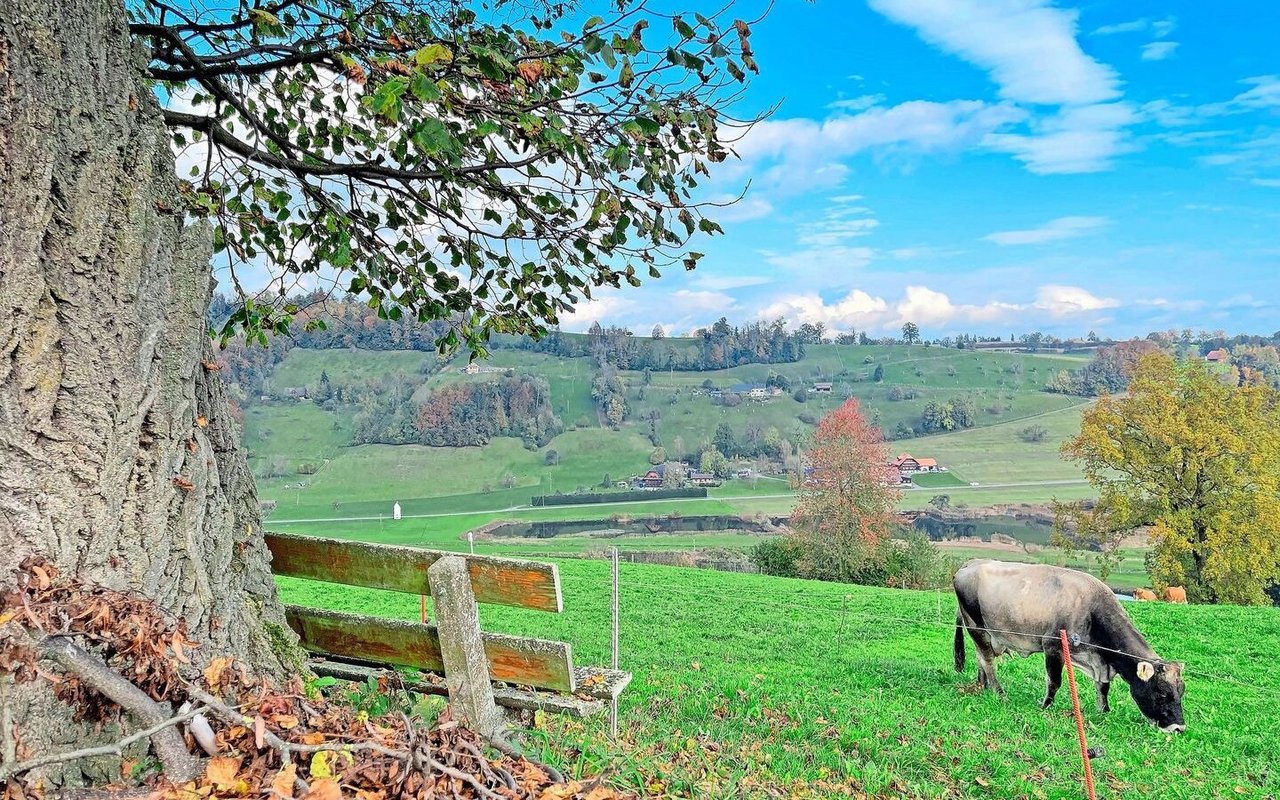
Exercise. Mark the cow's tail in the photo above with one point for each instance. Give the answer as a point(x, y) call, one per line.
point(959, 643)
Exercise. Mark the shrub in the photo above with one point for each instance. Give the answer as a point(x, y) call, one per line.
point(552, 458)
point(308, 468)
point(807, 418)
point(1033, 433)
point(776, 557)
point(801, 395)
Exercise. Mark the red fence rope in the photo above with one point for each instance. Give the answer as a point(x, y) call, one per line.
point(1075, 706)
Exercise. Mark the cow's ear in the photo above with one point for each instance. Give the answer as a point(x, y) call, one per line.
point(1145, 670)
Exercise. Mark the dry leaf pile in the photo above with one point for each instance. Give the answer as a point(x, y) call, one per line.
point(269, 742)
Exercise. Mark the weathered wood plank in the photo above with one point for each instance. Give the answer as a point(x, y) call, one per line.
point(505, 581)
point(505, 696)
point(514, 659)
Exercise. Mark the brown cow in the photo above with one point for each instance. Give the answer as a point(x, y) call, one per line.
point(1174, 594)
point(1144, 594)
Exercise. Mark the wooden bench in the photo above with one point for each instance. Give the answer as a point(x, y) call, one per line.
point(532, 674)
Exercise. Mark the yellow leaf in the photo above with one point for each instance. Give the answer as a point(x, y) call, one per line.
point(433, 53)
point(320, 766)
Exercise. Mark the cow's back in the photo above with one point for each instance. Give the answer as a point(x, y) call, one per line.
point(1020, 604)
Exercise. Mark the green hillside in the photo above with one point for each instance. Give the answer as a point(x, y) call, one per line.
point(749, 686)
point(481, 482)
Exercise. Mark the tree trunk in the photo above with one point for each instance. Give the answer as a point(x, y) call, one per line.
point(105, 407)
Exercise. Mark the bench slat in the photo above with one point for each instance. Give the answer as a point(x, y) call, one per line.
point(514, 659)
point(505, 696)
point(506, 581)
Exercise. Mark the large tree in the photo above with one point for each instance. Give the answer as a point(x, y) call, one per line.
point(846, 507)
point(1199, 459)
point(444, 162)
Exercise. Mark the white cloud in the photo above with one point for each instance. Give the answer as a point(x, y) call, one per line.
point(1062, 301)
point(861, 103)
point(1158, 51)
point(1273, 183)
point(1076, 140)
point(748, 208)
point(721, 283)
point(857, 309)
point(924, 306)
point(1028, 46)
point(1159, 28)
point(803, 155)
point(1132, 26)
point(1052, 231)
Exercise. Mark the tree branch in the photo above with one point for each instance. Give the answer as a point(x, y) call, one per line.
point(179, 764)
point(114, 749)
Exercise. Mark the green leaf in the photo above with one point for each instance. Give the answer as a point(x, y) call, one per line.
point(594, 22)
point(433, 54)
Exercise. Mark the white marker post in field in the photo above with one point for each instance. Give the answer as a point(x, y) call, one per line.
point(395, 510)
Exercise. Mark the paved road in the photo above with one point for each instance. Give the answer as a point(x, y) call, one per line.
point(941, 490)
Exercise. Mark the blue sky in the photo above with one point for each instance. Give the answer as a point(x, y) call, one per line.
point(997, 167)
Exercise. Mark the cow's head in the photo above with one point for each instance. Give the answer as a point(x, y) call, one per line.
point(1158, 691)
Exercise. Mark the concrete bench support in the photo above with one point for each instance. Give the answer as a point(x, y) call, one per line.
point(466, 669)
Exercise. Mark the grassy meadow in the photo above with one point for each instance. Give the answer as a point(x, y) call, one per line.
point(749, 686)
point(363, 481)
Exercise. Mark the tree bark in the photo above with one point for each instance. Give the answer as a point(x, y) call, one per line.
point(105, 407)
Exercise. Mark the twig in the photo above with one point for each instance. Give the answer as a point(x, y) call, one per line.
point(178, 763)
point(9, 751)
point(104, 750)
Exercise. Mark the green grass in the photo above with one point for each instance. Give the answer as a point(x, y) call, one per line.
point(997, 454)
point(762, 687)
point(936, 480)
point(302, 367)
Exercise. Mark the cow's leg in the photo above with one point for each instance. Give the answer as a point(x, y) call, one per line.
point(1053, 674)
point(1103, 687)
point(986, 661)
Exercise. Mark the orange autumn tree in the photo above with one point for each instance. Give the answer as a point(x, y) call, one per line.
point(846, 501)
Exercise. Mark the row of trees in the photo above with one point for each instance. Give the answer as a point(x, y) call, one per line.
point(718, 347)
point(459, 415)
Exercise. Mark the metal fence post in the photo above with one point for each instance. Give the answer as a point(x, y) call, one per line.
point(613, 703)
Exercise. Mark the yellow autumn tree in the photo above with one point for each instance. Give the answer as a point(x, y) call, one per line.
point(1198, 458)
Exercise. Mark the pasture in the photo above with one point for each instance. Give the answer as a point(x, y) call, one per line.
point(749, 686)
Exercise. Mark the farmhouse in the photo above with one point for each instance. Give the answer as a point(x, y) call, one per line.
point(703, 479)
point(471, 369)
point(756, 391)
point(822, 387)
point(908, 464)
point(1218, 356)
point(297, 392)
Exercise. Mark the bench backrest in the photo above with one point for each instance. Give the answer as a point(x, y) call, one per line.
point(513, 582)
point(505, 581)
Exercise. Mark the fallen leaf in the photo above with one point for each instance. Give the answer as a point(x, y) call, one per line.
point(285, 721)
point(202, 421)
point(214, 672)
point(282, 783)
point(259, 732)
point(324, 789)
point(221, 771)
point(981, 781)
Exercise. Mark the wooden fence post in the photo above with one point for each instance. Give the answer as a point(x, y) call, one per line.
point(466, 669)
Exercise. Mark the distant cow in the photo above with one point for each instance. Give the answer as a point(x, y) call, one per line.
point(1144, 594)
point(1174, 594)
point(1020, 608)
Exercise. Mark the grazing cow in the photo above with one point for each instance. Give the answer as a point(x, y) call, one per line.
point(1174, 594)
point(1144, 594)
point(1020, 608)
